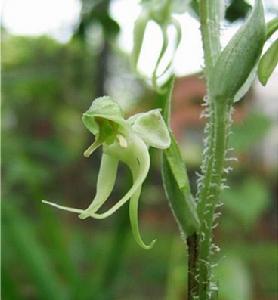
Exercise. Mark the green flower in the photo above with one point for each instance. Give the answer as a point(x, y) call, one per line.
point(126, 141)
point(160, 12)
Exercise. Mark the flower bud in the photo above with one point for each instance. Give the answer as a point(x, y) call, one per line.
point(239, 57)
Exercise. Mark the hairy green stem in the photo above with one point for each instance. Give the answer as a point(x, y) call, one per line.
point(210, 16)
point(214, 154)
point(208, 197)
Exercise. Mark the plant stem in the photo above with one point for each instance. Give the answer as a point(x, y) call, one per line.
point(216, 130)
point(210, 16)
point(192, 283)
point(208, 196)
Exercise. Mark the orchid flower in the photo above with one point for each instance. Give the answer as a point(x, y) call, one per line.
point(160, 12)
point(125, 140)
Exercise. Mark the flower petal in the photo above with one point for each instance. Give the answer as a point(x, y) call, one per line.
point(70, 209)
point(133, 215)
point(162, 52)
point(151, 127)
point(105, 183)
point(136, 157)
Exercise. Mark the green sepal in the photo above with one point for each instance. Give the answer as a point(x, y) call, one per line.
point(103, 112)
point(268, 62)
point(239, 57)
point(104, 119)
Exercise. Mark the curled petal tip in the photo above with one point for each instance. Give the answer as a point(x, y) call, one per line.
point(150, 246)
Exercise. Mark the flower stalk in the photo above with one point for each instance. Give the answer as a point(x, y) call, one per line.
point(226, 72)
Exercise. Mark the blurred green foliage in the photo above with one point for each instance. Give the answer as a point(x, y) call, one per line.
point(250, 131)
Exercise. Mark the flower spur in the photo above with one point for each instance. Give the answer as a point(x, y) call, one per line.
point(126, 141)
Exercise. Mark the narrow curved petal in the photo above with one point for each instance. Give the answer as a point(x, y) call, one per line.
point(141, 160)
point(133, 215)
point(70, 209)
point(138, 38)
point(177, 28)
point(105, 183)
point(161, 54)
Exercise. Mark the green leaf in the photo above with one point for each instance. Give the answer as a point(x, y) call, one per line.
point(271, 27)
point(247, 84)
point(168, 87)
point(174, 158)
point(175, 179)
point(31, 254)
point(268, 62)
point(239, 57)
point(181, 202)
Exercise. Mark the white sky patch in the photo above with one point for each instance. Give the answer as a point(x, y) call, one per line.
point(35, 17)
point(58, 18)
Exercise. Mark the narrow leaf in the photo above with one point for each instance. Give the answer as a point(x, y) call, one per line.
point(175, 179)
point(271, 27)
point(176, 163)
point(268, 62)
point(247, 84)
point(31, 254)
point(181, 202)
